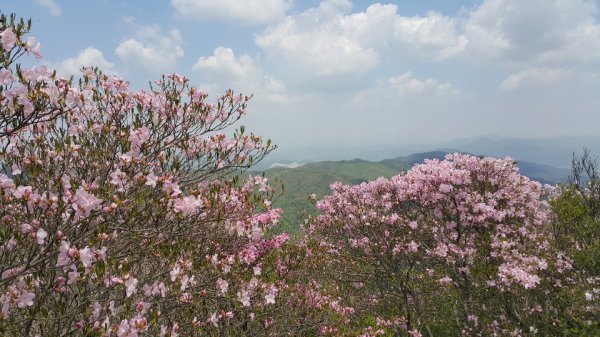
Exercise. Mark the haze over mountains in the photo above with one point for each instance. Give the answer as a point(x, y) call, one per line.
point(304, 171)
point(556, 151)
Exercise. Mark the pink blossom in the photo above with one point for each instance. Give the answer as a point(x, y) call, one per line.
point(151, 180)
point(8, 38)
point(85, 202)
point(187, 205)
point(413, 246)
point(415, 333)
point(222, 285)
point(214, 320)
point(63, 257)
point(244, 297)
point(126, 330)
point(6, 183)
point(23, 192)
point(5, 301)
point(25, 299)
point(33, 47)
point(130, 286)
point(270, 298)
point(16, 170)
point(41, 235)
point(445, 280)
point(73, 276)
point(118, 178)
point(87, 257)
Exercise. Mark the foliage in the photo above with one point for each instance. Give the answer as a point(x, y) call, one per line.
point(576, 228)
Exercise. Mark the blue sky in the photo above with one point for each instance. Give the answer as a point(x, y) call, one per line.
point(339, 72)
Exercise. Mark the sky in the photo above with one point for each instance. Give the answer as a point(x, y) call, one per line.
point(350, 73)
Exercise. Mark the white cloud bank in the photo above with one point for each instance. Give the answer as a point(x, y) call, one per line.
point(224, 69)
point(329, 40)
point(533, 31)
point(532, 77)
point(406, 85)
point(89, 56)
point(151, 49)
point(223, 62)
point(236, 11)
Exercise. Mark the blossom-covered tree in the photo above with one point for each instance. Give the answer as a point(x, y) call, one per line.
point(459, 247)
point(125, 212)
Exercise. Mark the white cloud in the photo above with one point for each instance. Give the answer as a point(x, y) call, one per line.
point(534, 31)
point(50, 5)
point(223, 62)
point(89, 56)
point(323, 42)
point(532, 77)
point(434, 36)
point(244, 11)
point(223, 69)
point(330, 40)
point(151, 49)
point(406, 85)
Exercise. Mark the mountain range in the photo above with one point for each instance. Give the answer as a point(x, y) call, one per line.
point(556, 151)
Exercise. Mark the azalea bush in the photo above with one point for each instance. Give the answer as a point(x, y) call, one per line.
point(126, 212)
point(455, 247)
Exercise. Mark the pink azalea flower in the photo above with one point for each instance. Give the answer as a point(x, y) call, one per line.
point(244, 297)
point(6, 182)
point(63, 256)
point(5, 301)
point(214, 320)
point(8, 39)
point(25, 299)
point(222, 285)
point(126, 330)
point(151, 180)
point(85, 202)
point(73, 276)
point(270, 298)
point(187, 205)
point(87, 257)
point(33, 47)
point(41, 236)
point(130, 286)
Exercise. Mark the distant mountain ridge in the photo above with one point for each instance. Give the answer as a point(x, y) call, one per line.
point(556, 151)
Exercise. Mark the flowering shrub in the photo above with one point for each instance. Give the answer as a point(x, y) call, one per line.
point(122, 212)
point(459, 246)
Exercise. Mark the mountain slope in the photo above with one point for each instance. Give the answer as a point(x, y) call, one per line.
point(315, 178)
